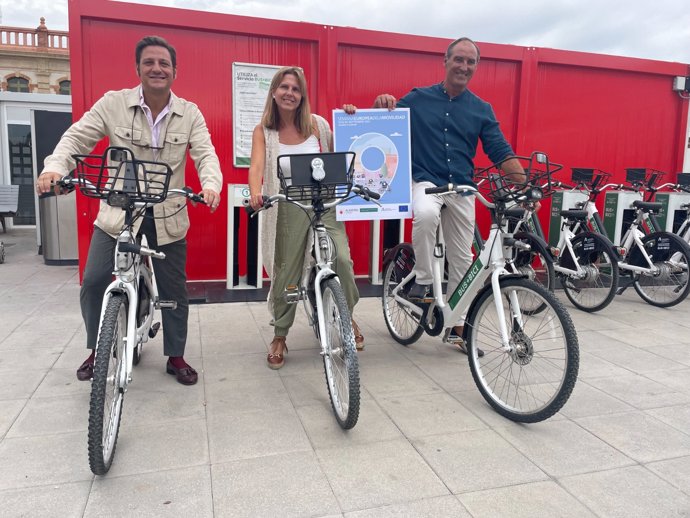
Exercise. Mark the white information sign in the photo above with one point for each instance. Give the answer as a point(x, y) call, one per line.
point(250, 85)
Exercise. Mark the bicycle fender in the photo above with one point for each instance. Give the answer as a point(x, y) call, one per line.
point(537, 243)
point(392, 253)
point(663, 247)
point(486, 287)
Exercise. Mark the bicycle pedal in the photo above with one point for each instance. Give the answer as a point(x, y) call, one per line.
point(292, 294)
point(166, 304)
point(153, 330)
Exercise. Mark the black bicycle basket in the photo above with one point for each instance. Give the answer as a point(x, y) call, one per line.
point(119, 178)
point(642, 175)
point(312, 176)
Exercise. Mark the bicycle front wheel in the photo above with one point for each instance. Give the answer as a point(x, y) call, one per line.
point(669, 285)
point(402, 324)
point(533, 378)
point(596, 288)
point(107, 396)
point(340, 356)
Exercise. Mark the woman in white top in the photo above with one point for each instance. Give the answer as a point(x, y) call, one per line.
point(288, 127)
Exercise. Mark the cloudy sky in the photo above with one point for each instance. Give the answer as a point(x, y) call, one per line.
point(657, 29)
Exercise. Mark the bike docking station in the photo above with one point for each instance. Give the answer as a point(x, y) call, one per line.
point(674, 208)
point(250, 234)
point(564, 200)
point(618, 211)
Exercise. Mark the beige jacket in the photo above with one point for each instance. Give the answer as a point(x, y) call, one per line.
point(118, 116)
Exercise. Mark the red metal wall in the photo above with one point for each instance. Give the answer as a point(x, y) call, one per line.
point(585, 110)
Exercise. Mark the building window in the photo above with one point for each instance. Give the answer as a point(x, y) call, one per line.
point(17, 84)
point(65, 88)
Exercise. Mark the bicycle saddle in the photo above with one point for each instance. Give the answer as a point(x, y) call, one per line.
point(574, 214)
point(647, 206)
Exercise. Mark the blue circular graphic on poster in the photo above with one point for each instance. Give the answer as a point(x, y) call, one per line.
point(376, 161)
point(373, 158)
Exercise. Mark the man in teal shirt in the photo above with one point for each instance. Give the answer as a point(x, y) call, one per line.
point(447, 123)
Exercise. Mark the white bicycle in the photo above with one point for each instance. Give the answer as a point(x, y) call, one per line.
point(531, 350)
point(131, 300)
point(317, 183)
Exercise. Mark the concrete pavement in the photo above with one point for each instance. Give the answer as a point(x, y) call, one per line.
point(249, 441)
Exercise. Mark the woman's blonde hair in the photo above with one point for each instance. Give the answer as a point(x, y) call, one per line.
point(271, 116)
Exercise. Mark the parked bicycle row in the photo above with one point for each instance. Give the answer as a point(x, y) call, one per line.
point(586, 263)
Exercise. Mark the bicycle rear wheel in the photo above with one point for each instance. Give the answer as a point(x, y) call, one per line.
point(597, 288)
point(669, 286)
point(402, 324)
point(340, 356)
point(532, 380)
point(107, 396)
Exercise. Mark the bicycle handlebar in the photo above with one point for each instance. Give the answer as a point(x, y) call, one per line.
point(459, 189)
point(269, 201)
point(68, 183)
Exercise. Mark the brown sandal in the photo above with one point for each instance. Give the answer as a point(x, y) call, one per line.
point(359, 337)
point(277, 360)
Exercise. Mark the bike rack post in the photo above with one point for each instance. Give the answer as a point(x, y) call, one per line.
point(380, 241)
point(562, 200)
point(671, 216)
point(617, 208)
point(252, 277)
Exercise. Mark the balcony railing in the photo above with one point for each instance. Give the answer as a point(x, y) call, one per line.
point(41, 38)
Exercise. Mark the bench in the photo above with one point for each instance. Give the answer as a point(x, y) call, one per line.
point(9, 202)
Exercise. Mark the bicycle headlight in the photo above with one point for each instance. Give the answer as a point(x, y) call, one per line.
point(118, 199)
point(535, 194)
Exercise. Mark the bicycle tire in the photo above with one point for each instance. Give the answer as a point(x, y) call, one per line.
point(340, 362)
point(598, 288)
point(534, 379)
point(107, 397)
point(672, 256)
point(403, 326)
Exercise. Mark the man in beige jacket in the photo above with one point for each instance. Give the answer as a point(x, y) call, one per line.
point(158, 126)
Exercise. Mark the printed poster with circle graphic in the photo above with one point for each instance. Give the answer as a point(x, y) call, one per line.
point(381, 142)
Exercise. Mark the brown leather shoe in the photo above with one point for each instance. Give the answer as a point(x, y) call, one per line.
point(276, 359)
point(85, 371)
point(186, 375)
point(359, 337)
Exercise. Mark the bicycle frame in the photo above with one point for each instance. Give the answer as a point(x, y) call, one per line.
point(633, 236)
point(489, 264)
point(324, 270)
point(129, 267)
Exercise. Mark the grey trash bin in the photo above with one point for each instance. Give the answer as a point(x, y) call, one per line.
point(59, 229)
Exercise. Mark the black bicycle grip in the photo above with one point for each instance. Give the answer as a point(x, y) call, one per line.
point(366, 193)
point(248, 208)
point(65, 188)
point(441, 189)
point(191, 195)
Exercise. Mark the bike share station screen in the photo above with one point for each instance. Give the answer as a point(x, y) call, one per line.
point(671, 216)
point(562, 200)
